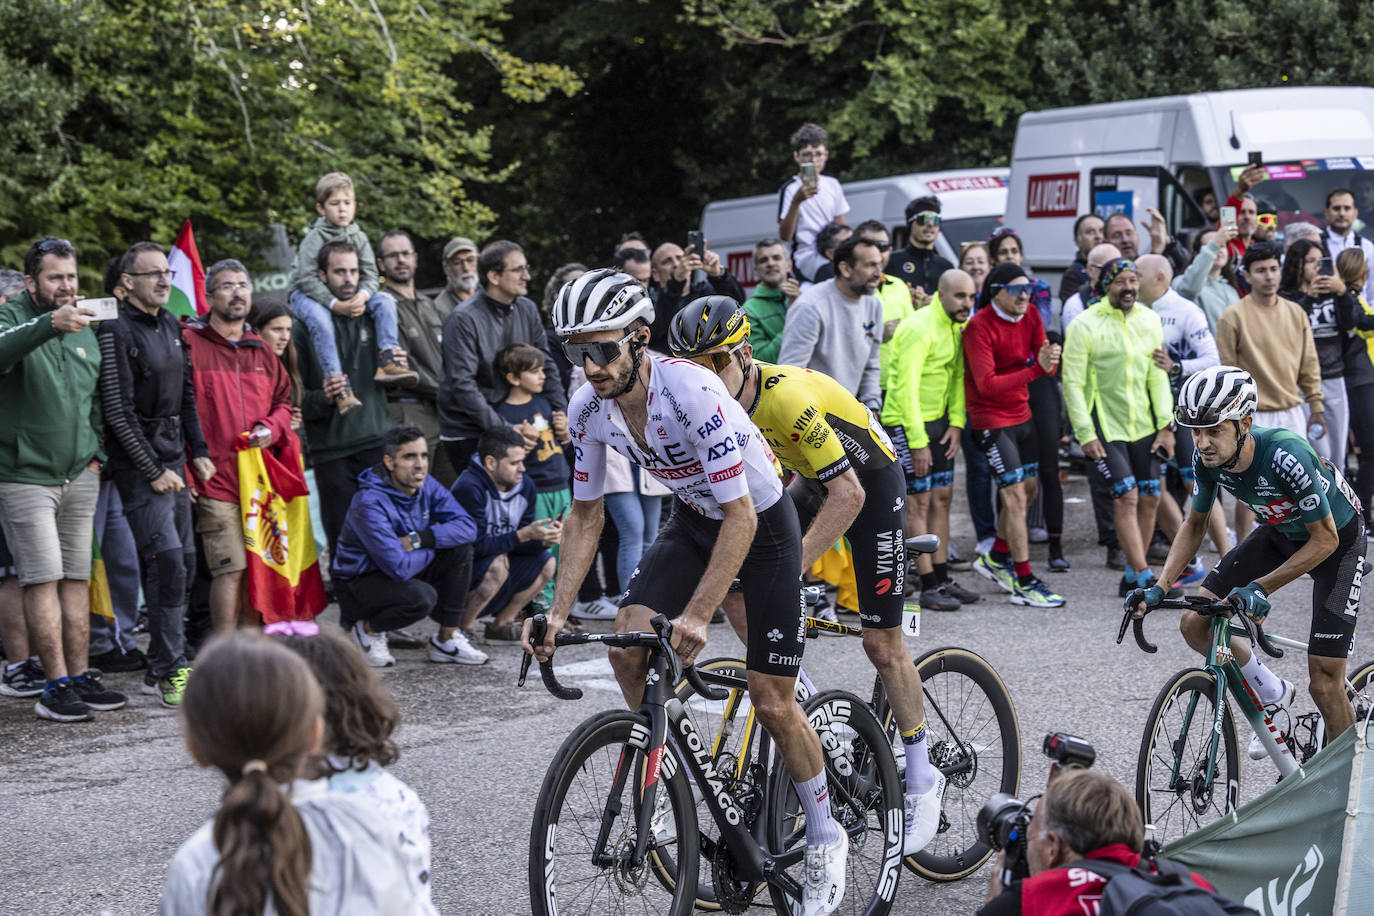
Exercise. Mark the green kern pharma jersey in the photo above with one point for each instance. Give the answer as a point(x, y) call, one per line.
point(1287, 484)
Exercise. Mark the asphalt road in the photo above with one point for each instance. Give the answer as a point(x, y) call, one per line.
point(93, 811)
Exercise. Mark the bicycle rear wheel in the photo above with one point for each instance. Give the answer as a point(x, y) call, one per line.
point(865, 797)
point(974, 737)
point(1178, 737)
point(592, 788)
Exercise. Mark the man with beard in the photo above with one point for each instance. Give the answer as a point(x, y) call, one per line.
point(420, 326)
point(836, 326)
point(767, 306)
point(241, 387)
point(1340, 234)
point(50, 472)
point(917, 264)
point(460, 269)
point(1120, 407)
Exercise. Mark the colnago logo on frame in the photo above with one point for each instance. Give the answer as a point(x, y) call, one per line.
point(708, 770)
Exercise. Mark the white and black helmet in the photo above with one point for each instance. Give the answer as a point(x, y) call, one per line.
point(1214, 395)
point(601, 300)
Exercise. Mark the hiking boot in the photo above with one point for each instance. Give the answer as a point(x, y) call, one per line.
point(1278, 711)
point(390, 372)
point(25, 680)
point(373, 646)
point(1000, 573)
point(1035, 593)
point(824, 875)
point(504, 633)
point(922, 817)
point(170, 689)
point(456, 651)
point(59, 703)
point(347, 401)
point(959, 593)
point(937, 599)
point(117, 660)
point(95, 694)
point(1057, 562)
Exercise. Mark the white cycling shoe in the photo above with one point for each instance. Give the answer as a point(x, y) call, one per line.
point(922, 819)
point(824, 875)
point(1257, 750)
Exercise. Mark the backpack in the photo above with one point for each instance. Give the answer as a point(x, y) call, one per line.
point(1171, 892)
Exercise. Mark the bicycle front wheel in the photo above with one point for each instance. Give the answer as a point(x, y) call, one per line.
point(865, 797)
point(973, 736)
point(1362, 693)
point(585, 828)
point(1176, 789)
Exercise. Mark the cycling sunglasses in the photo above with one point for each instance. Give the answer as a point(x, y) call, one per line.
point(1017, 290)
point(601, 352)
point(926, 218)
point(716, 360)
point(1267, 220)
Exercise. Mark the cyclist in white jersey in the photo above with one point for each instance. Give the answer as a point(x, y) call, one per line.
point(730, 518)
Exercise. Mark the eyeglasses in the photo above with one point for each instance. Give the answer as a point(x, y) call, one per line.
point(601, 352)
point(926, 219)
point(522, 269)
point(1017, 290)
point(810, 156)
point(461, 259)
point(160, 274)
point(881, 246)
point(409, 252)
point(240, 287)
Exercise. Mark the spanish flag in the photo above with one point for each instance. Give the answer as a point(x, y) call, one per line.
point(284, 581)
point(101, 603)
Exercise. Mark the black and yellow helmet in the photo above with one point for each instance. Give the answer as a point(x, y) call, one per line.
point(706, 324)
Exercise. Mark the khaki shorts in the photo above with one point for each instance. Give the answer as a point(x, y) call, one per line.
point(48, 529)
point(220, 526)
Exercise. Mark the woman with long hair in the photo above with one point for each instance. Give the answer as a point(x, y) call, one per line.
point(273, 322)
point(1210, 280)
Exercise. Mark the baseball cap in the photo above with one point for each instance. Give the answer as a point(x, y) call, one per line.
point(456, 245)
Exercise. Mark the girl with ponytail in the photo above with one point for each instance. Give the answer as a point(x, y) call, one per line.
point(279, 845)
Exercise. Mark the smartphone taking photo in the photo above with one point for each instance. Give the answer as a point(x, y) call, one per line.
point(696, 240)
point(106, 308)
point(1228, 216)
point(808, 173)
point(1325, 268)
point(1256, 158)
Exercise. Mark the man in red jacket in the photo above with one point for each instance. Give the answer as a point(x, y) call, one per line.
point(1004, 350)
point(241, 387)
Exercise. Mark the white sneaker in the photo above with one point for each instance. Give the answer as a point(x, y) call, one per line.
point(601, 608)
point(824, 610)
point(923, 816)
point(824, 875)
point(456, 651)
point(1257, 750)
point(373, 646)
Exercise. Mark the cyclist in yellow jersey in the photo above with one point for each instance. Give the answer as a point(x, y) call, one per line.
point(848, 485)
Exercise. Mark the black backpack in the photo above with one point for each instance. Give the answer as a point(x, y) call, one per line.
point(1171, 892)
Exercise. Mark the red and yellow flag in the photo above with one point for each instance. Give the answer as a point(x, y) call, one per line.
point(283, 573)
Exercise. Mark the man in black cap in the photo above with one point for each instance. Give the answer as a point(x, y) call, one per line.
point(917, 264)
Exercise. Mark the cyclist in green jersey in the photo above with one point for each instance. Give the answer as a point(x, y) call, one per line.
point(1313, 526)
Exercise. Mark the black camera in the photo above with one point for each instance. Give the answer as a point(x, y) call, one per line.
point(1002, 821)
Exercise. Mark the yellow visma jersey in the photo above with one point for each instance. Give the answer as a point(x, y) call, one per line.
point(815, 426)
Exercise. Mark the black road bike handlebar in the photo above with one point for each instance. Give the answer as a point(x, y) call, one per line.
point(660, 639)
point(1206, 607)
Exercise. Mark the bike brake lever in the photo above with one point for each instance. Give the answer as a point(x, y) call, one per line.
point(1125, 622)
point(538, 626)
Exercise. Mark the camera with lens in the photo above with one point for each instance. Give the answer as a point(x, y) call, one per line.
point(1003, 820)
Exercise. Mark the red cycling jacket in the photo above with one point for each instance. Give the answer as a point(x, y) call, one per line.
point(1078, 891)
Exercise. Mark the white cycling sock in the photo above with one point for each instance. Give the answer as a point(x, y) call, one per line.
point(815, 799)
point(1267, 684)
point(920, 775)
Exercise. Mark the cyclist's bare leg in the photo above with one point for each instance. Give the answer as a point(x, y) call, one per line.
point(630, 665)
point(938, 519)
point(1126, 514)
point(1326, 684)
point(775, 703)
point(919, 516)
point(901, 680)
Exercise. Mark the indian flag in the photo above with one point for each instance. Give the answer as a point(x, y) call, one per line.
point(188, 286)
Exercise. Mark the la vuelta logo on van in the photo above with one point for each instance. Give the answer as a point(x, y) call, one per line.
point(1052, 196)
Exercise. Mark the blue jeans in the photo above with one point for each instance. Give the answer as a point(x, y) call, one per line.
point(978, 485)
point(636, 521)
point(319, 324)
point(121, 571)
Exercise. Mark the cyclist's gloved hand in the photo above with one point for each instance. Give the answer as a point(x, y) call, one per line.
point(1251, 599)
point(1150, 597)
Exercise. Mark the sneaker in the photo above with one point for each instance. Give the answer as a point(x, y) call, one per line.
point(983, 546)
point(117, 660)
point(824, 610)
point(955, 561)
point(959, 593)
point(937, 599)
point(1194, 572)
point(824, 874)
point(1171, 591)
point(96, 695)
point(470, 634)
point(504, 633)
point(373, 646)
point(404, 639)
point(1038, 535)
point(1257, 750)
point(60, 703)
point(573, 625)
point(390, 372)
point(1035, 594)
point(1158, 551)
point(923, 816)
point(1057, 562)
point(169, 690)
point(1116, 558)
point(25, 680)
point(599, 608)
point(456, 651)
point(1000, 573)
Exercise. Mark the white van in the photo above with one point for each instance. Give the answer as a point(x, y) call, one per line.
point(1122, 157)
point(971, 203)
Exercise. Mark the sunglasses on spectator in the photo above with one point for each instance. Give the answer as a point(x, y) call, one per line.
point(1017, 290)
point(1001, 233)
point(880, 245)
point(926, 219)
point(631, 254)
point(1268, 220)
point(52, 245)
point(601, 352)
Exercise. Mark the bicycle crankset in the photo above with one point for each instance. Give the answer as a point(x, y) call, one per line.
point(732, 893)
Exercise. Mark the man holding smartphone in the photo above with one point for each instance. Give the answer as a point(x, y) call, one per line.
point(1121, 407)
point(1340, 234)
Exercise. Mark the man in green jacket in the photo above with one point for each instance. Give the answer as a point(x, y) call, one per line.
point(767, 307)
point(50, 473)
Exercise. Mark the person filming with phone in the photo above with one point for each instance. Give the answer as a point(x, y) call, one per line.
point(809, 200)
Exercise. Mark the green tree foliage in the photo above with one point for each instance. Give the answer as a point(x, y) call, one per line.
point(125, 117)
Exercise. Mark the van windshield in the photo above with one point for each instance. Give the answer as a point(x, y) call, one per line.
point(1296, 191)
point(959, 232)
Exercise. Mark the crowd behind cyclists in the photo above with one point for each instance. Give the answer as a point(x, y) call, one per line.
point(438, 433)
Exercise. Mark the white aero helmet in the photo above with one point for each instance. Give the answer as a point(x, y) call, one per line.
point(1214, 395)
point(600, 300)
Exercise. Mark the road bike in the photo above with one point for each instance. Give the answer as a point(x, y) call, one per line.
point(1188, 770)
point(615, 827)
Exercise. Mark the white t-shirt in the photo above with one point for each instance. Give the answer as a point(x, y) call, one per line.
point(813, 214)
point(702, 444)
